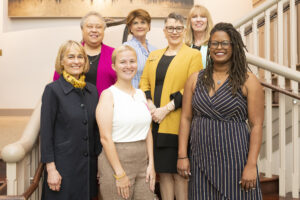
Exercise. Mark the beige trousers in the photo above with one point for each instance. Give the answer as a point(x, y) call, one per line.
point(134, 158)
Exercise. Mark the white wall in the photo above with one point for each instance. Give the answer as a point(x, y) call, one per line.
point(30, 46)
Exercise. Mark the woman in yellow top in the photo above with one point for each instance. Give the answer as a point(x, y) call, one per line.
point(163, 79)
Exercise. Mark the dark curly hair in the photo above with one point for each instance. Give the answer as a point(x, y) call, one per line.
point(237, 73)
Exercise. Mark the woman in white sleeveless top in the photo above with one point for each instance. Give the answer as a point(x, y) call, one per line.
point(126, 166)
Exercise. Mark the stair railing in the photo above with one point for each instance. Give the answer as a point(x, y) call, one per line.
point(22, 158)
point(286, 54)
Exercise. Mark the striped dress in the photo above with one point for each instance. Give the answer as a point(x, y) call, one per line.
point(219, 145)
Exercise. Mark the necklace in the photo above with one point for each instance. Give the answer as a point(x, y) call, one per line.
point(92, 59)
point(220, 79)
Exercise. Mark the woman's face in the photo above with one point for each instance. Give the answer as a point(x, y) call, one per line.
point(198, 22)
point(125, 65)
point(93, 31)
point(73, 61)
point(174, 32)
point(220, 47)
point(139, 28)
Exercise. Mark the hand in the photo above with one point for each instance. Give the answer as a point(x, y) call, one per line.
point(150, 176)
point(159, 114)
point(249, 177)
point(123, 185)
point(183, 167)
point(54, 179)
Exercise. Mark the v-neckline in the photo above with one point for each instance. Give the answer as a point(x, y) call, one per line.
point(211, 97)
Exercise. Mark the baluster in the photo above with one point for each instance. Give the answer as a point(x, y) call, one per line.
point(295, 107)
point(242, 32)
point(255, 43)
point(11, 177)
point(268, 99)
point(281, 84)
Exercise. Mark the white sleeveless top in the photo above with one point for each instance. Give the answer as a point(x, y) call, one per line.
point(131, 116)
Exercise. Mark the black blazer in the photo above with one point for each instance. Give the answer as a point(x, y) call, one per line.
point(70, 138)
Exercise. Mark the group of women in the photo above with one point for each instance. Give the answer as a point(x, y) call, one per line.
point(160, 114)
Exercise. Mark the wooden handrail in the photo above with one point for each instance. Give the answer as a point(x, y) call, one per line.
point(278, 89)
point(35, 182)
point(2, 187)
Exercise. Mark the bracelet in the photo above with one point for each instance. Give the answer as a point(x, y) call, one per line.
point(119, 177)
point(182, 158)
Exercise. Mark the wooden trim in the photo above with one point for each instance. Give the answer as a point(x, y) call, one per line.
point(16, 112)
point(278, 89)
point(261, 22)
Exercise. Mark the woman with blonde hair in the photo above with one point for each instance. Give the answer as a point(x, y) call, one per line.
point(69, 133)
point(199, 25)
point(126, 165)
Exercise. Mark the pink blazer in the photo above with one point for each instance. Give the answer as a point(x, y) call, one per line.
point(106, 76)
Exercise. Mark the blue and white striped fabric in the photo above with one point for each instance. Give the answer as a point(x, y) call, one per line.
point(142, 55)
point(219, 145)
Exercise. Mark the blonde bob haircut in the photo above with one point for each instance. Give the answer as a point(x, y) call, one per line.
point(63, 50)
point(189, 37)
point(119, 50)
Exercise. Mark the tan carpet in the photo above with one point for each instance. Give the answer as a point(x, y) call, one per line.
point(11, 128)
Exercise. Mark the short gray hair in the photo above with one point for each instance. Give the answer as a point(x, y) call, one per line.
point(92, 13)
point(176, 16)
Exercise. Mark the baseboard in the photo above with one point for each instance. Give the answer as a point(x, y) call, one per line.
point(16, 112)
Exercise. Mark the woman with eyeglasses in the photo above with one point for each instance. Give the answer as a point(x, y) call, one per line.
point(165, 73)
point(217, 104)
point(199, 25)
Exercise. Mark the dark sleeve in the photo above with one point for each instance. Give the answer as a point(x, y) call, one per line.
point(98, 145)
point(48, 117)
point(148, 94)
point(177, 96)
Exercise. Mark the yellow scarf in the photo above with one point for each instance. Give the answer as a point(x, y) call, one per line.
point(80, 83)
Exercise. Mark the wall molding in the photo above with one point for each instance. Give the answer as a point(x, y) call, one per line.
point(16, 112)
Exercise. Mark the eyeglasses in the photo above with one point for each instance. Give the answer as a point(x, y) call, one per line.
point(224, 44)
point(170, 29)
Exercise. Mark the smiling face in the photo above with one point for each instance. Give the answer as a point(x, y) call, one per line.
point(139, 28)
point(125, 65)
point(93, 31)
point(220, 53)
point(174, 38)
point(73, 61)
point(198, 21)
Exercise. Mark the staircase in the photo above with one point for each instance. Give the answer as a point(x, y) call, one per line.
point(270, 33)
point(271, 54)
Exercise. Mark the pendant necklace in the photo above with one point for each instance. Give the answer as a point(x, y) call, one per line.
point(94, 58)
point(219, 80)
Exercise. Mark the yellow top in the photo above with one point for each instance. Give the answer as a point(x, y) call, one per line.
point(186, 62)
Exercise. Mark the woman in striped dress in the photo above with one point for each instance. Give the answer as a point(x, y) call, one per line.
point(217, 103)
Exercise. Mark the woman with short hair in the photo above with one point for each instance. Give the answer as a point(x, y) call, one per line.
point(139, 22)
point(69, 132)
point(163, 79)
point(126, 165)
point(100, 73)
